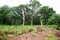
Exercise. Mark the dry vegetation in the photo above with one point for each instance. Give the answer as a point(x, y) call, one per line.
point(39, 33)
point(29, 33)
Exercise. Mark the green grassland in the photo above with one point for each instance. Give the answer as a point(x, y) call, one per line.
point(19, 28)
point(12, 27)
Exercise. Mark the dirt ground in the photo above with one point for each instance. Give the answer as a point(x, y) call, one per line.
point(38, 35)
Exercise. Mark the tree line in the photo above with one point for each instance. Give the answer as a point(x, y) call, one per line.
point(30, 14)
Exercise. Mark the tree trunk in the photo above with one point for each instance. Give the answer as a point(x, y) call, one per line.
point(23, 17)
point(41, 22)
point(31, 20)
point(47, 23)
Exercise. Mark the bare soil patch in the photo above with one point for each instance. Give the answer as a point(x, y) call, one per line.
point(41, 33)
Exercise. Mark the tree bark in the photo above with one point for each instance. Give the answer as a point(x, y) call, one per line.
point(41, 22)
point(31, 20)
point(23, 17)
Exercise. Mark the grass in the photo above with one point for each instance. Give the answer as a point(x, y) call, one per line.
point(51, 37)
point(19, 28)
point(10, 27)
point(22, 29)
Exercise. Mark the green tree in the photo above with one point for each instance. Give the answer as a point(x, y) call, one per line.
point(45, 13)
point(3, 11)
point(34, 7)
point(21, 12)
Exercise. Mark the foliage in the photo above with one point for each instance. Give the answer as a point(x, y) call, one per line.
point(34, 13)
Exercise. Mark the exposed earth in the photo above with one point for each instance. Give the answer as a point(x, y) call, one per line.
point(39, 33)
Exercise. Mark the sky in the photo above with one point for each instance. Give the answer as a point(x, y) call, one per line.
point(55, 4)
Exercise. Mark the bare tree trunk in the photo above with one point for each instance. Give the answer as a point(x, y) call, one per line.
point(41, 22)
point(31, 20)
point(32, 15)
point(23, 17)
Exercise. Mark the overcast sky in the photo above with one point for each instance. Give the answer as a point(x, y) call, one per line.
point(55, 4)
